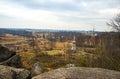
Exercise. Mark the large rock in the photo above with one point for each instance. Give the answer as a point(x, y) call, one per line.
point(5, 53)
point(14, 61)
point(7, 72)
point(37, 69)
point(79, 73)
point(9, 58)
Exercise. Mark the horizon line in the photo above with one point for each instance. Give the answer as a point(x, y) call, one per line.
point(51, 29)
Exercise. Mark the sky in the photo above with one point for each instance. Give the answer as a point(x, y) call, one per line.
point(58, 14)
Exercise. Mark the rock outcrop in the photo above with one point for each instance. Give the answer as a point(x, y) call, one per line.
point(37, 69)
point(9, 58)
point(7, 72)
point(79, 73)
point(5, 53)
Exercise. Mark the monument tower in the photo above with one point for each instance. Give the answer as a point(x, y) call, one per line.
point(73, 44)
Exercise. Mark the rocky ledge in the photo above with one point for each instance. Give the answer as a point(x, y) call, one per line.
point(79, 73)
point(7, 72)
point(9, 58)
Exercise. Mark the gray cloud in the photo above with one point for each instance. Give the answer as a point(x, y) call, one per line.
point(72, 12)
point(75, 5)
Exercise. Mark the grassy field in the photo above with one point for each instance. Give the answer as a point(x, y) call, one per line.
point(55, 59)
point(55, 52)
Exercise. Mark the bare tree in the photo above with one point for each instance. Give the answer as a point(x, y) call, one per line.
point(115, 23)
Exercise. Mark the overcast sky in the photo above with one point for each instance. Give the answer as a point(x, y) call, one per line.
point(58, 14)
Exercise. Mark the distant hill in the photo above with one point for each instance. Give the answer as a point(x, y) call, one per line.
point(19, 32)
point(28, 32)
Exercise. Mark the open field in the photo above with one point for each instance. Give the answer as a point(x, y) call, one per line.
point(55, 51)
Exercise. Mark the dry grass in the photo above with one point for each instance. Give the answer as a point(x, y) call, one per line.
point(26, 58)
point(55, 52)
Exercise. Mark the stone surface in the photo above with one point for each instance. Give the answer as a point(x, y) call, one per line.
point(5, 53)
point(7, 72)
point(14, 61)
point(79, 73)
point(9, 58)
point(37, 69)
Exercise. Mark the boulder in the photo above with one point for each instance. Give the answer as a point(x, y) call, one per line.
point(7, 72)
point(9, 58)
point(79, 73)
point(5, 53)
point(14, 61)
point(37, 69)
